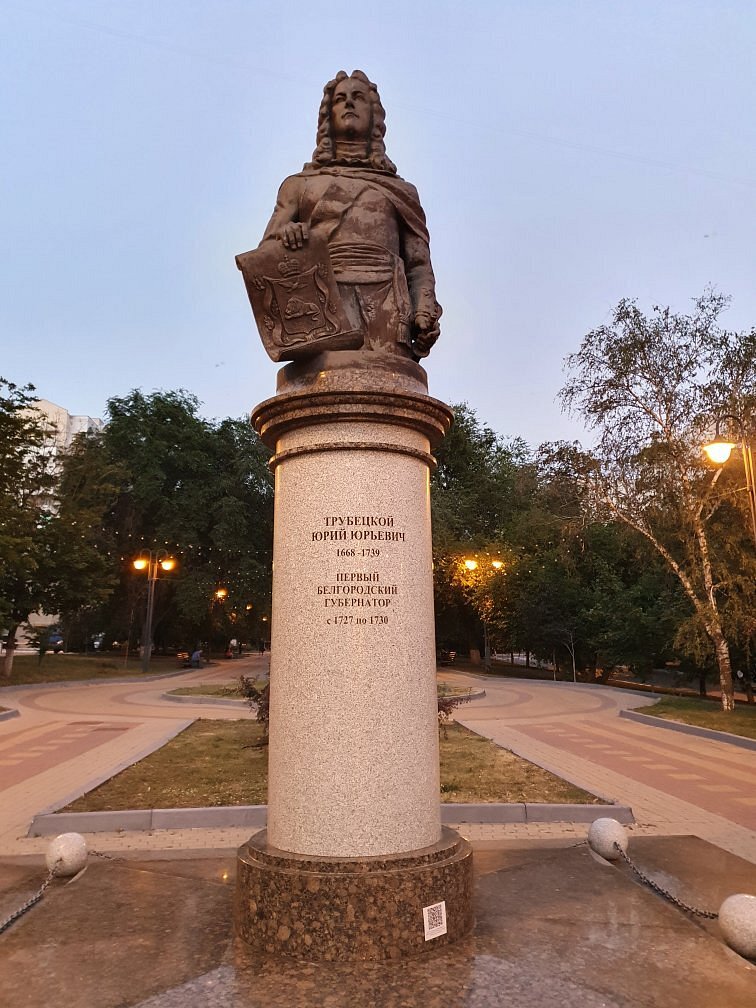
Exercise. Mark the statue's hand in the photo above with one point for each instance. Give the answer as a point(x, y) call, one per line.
point(427, 330)
point(294, 234)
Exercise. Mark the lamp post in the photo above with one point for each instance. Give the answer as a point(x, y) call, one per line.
point(153, 563)
point(720, 449)
point(219, 596)
point(472, 565)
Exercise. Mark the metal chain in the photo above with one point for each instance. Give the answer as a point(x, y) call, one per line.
point(663, 892)
point(29, 903)
point(107, 857)
point(41, 891)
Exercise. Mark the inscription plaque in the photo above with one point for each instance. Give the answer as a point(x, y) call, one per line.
point(362, 587)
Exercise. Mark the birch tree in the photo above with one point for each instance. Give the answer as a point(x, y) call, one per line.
point(652, 386)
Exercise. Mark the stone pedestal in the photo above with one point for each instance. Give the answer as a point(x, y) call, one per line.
point(353, 756)
point(356, 908)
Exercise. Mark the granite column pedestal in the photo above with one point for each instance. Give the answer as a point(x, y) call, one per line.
point(354, 852)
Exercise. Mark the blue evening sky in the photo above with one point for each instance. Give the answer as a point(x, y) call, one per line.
point(567, 154)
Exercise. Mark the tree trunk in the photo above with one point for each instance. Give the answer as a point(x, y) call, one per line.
point(748, 675)
point(10, 650)
point(713, 622)
point(725, 669)
point(707, 607)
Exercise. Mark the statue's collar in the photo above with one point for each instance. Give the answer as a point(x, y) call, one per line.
point(347, 168)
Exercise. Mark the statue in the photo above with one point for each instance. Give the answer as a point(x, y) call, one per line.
point(344, 263)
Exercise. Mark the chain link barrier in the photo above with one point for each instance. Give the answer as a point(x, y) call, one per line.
point(663, 892)
point(106, 857)
point(29, 903)
point(37, 896)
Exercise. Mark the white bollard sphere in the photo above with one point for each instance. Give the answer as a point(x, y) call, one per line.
point(67, 854)
point(737, 919)
point(603, 835)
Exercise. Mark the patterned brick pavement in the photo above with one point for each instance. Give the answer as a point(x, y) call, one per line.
point(70, 738)
point(675, 783)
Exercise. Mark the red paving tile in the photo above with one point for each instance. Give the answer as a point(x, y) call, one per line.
point(26, 753)
point(722, 781)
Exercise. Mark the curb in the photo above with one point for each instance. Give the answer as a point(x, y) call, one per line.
point(200, 698)
point(105, 680)
point(474, 694)
point(85, 786)
point(686, 729)
point(239, 816)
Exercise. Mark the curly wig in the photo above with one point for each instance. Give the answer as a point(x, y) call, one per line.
point(376, 153)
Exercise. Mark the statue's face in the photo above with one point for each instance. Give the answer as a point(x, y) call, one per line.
point(350, 110)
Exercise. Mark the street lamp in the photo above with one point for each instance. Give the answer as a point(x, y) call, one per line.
point(720, 449)
point(153, 563)
point(471, 564)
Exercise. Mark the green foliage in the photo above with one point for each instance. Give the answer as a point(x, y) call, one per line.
point(474, 494)
point(27, 522)
point(83, 576)
point(258, 700)
point(575, 585)
point(157, 477)
point(652, 386)
point(202, 491)
point(473, 488)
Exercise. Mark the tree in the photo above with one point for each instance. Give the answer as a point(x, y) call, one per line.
point(83, 572)
point(26, 511)
point(474, 494)
point(202, 491)
point(651, 386)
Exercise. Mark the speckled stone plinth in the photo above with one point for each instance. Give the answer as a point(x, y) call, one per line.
point(353, 755)
point(354, 909)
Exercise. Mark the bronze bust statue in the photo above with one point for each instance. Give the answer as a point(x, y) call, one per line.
point(345, 260)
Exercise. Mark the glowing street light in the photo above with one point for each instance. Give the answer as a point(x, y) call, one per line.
point(719, 451)
point(471, 564)
point(153, 563)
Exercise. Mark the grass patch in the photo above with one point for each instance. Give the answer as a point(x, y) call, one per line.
point(473, 769)
point(225, 772)
point(228, 690)
point(206, 764)
point(70, 667)
point(706, 714)
point(445, 690)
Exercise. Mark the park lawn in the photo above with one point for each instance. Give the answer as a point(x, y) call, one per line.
point(216, 763)
point(706, 714)
point(228, 690)
point(54, 668)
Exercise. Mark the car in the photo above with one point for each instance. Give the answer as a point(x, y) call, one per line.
point(55, 642)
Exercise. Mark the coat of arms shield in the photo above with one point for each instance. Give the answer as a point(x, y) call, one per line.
point(295, 300)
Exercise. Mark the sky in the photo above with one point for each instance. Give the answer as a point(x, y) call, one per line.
point(568, 154)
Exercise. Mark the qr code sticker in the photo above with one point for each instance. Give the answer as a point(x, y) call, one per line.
point(434, 919)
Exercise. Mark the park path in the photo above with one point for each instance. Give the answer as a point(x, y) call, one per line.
point(676, 783)
point(71, 737)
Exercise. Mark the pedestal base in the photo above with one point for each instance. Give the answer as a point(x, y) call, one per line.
point(357, 908)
